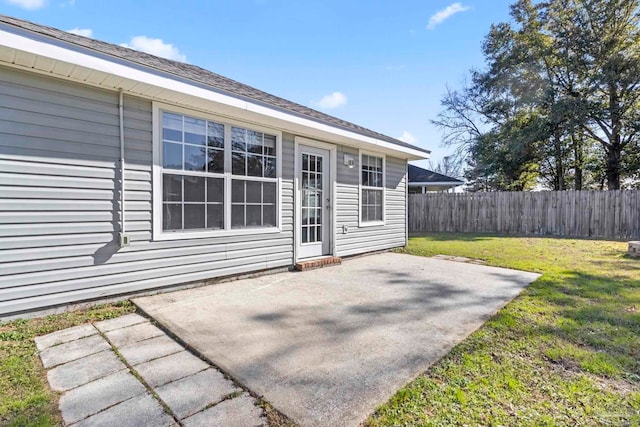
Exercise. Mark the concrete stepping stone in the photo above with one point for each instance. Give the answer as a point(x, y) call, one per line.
point(81, 371)
point(138, 411)
point(240, 411)
point(120, 322)
point(170, 368)
point(150, 349)
point(99, 395)
point(131, 334)
point(67, 352)
point(192, 394)
point(65, 335)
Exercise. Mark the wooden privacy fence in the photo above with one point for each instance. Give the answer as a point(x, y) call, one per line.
point(605, 214)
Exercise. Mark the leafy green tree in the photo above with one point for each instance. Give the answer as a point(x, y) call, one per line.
point(561, 80)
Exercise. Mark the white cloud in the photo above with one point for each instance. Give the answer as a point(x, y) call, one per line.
point(155, 47)
point(442, 15)
point(29, 4)
point(408, 137)
point(331, 101)
point(86, 32)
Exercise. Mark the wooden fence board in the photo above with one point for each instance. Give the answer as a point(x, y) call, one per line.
point(602, 214)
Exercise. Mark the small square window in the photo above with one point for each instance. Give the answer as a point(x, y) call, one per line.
point(372, 193)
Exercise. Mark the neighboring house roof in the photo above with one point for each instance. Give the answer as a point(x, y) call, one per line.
point(201, 76)
point(420, 176)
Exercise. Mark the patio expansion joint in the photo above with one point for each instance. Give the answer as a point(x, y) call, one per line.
point(135, 373)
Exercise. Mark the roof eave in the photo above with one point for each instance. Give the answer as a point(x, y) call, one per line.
point(31, 49)
point(426, 183)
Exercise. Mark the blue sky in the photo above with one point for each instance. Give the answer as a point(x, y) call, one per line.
point(381, 64)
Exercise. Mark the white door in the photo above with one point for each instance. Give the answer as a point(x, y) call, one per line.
point(315, 202)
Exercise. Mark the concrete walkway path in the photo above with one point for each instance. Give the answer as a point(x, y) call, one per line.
point(325, 347)
point(127, 372)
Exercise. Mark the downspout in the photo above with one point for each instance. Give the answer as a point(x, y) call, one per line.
point(123, 238)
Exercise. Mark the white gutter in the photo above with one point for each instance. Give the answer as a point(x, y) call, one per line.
point(47, 47)
point(124, 239)
point(422, 184)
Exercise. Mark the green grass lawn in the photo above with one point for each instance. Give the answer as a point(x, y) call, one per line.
point(25, 397)
point(565, 352)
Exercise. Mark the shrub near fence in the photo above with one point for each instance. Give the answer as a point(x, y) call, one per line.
point(603, 214)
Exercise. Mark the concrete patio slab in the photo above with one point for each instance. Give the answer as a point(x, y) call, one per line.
point(325, 347)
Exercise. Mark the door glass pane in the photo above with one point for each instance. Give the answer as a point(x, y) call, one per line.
point(312, 198)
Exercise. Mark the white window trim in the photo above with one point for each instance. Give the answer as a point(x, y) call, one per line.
point(362, 223)
point(158, 233)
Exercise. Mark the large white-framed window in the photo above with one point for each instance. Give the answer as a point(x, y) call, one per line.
point(372, 188)
point(213, 176)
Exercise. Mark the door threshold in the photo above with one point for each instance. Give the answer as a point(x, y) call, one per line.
point(317, 262)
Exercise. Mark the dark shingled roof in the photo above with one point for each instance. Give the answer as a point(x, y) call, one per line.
point(201, 76)
point(417, 174)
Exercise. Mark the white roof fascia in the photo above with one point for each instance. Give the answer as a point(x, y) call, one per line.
point(47, 47)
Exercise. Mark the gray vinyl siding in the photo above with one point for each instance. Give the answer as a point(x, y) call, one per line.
point(365, 239)
point(59, 202)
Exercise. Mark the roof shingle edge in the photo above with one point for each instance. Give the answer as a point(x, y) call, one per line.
point(201, 76)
